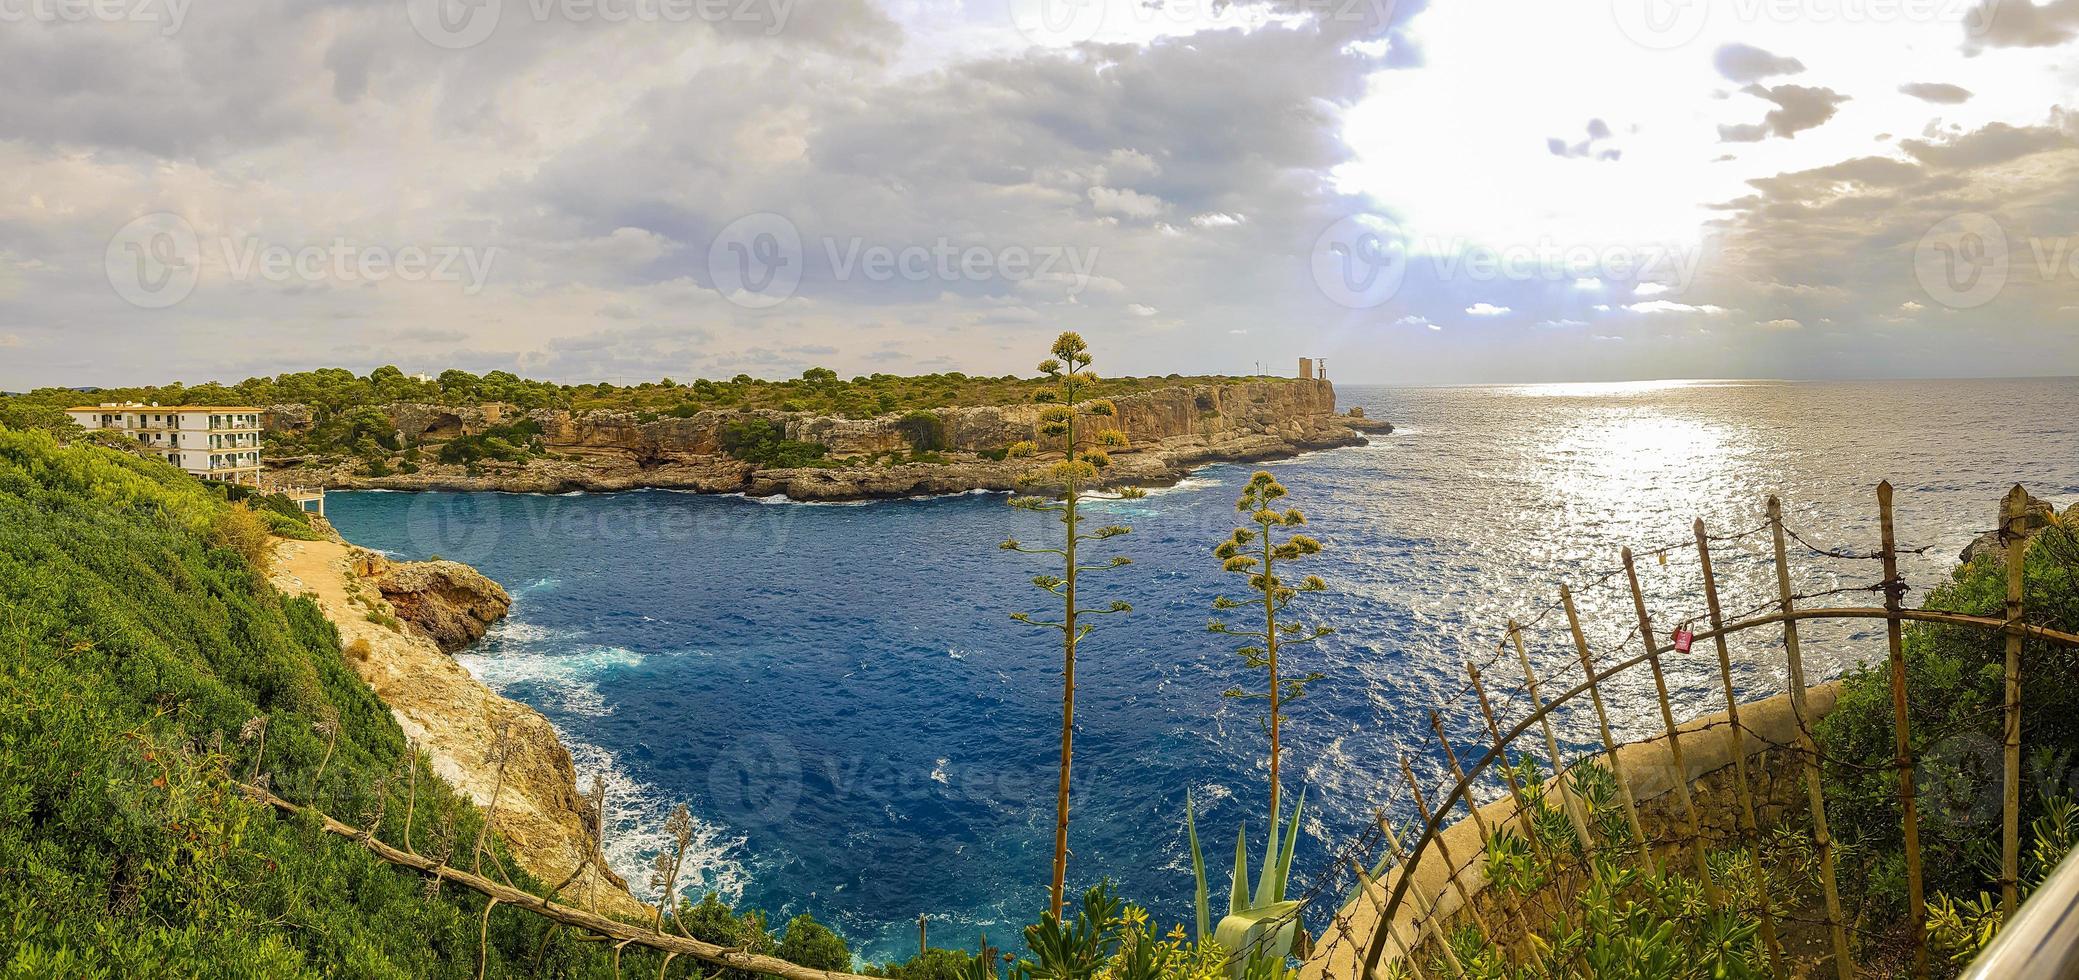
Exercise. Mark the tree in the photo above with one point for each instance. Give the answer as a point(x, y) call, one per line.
point(1256, 554)
point(1074, 477)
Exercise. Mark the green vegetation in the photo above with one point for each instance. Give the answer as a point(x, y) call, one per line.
point(512, 443)
point(764, 442)
point(1070, 401)
point(1113, 940)
point(146, 669)
point(1590, 912)
point(1955, 677)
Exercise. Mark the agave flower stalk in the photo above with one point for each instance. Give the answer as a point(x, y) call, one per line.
point(1256, 554)
point(1081, 427)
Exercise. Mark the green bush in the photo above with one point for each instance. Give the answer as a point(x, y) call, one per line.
point(811, 943)
point(1955, 680)
point(765, 443)
point(926, 431)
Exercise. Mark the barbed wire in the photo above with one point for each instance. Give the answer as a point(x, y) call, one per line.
point(1356, 855)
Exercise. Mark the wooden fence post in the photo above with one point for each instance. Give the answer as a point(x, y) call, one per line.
point(1423, 905)
point(1436, 724)
point(1465, 897)
point(1379, 917)
point(1537, 704)
point(2014, 534)
point(1901, 727)
point(1523, 811)
point(1667, 720)
point(1602, 722)
point(1844, 962)
point(1749, 826)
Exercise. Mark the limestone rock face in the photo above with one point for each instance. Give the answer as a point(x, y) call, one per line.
point(451, 603)
point(457, 721)
point(1171, 430)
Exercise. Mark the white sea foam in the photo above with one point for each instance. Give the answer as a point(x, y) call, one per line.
point(569, 676)
point(635, 815)
point(938, 773)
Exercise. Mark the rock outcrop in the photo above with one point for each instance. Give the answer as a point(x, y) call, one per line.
point(453, 718)
point(1172, 429)
point(2040, 514)
point(453, 604)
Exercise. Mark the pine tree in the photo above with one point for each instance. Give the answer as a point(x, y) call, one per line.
point(1081, 428)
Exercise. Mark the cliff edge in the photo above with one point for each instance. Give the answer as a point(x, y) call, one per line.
point(1172, 429)
point(400, 647)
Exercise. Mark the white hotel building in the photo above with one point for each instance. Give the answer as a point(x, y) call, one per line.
point(214, 442)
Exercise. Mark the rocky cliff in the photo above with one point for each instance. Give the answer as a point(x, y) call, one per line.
point(1172, 430)
point(448, 602)
point(449, 715)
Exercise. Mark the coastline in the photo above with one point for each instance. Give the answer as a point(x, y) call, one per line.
point(1176, 430)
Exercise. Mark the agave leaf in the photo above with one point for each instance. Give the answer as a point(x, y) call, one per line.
point(1264, 931)
point(1285, 856)
point(1238, 891)
point(1198, 871)
point(1266, 885)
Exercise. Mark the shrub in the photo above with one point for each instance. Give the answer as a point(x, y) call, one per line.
point(925, 431)
point(242, 530)
point(764, 442)
point(812, 944)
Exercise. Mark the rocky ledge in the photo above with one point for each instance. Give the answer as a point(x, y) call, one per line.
point(452, 604)
point(1172, 430)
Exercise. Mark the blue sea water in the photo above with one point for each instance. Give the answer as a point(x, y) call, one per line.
point(837, 693)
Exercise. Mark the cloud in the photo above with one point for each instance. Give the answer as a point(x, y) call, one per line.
point(1668, 306)
point(1746, 63)
point(1125, 203)
point(1994, 144)
point(1783, 324)
point(1940, 93)
point(1486, 309)
point(1798, 108)
point(10, 340)
point(1598, 132)
point(1138, 309)
point(2019, 24)
point(1650, 288)
point(1561, 324)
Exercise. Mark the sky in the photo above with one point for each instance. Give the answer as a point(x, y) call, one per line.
point(1449, 191)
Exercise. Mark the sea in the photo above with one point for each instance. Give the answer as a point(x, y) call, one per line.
point(862, 732)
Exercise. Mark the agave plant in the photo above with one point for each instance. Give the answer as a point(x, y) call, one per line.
point(1261, 927)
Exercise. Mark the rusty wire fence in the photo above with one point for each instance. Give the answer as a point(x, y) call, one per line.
point(1530, 738)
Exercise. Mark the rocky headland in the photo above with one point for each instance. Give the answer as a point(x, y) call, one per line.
point(1172, 430)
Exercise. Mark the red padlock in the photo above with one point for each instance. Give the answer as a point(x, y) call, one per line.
point(1683, 638)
